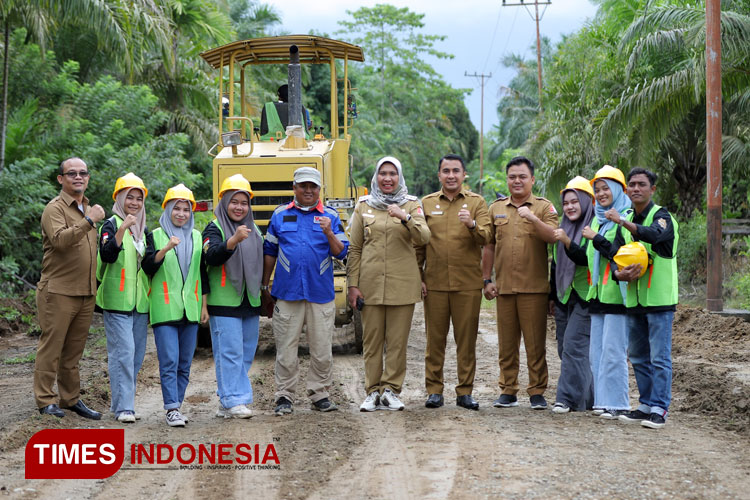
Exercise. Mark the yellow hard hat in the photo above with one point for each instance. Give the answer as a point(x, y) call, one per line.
point(178, 192)
point(610, 172)
point(632, 253)
point(235, 182)
point(579, 183)
point(129, 180)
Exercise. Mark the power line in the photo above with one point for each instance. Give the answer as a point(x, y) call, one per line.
point(537, 18)
point(481, 127)
point(492, 43)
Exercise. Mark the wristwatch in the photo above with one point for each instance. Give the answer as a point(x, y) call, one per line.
point(264, 287)
point(405, 221)
point(487, 281)
point(88, 219)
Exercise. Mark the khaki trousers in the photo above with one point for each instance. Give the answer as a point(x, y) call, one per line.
point(65, 322)
point(288, 319)
point(385, 328)
point(527, 313)
point(463, 308)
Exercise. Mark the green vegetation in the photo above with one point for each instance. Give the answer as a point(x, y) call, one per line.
point(18, 360)
point(121, 85)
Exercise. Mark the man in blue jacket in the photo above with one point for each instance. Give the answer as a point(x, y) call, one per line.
point(303, 238)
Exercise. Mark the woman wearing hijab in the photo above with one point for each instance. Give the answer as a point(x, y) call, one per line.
point(570, 283)
point(233, 253)
point(608, 351)
point(384, 280)
point(173, 260)
point(123, 293)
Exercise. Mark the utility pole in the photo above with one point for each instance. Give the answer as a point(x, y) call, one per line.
point(481, 128)
point(536, 18)
point(714, 273)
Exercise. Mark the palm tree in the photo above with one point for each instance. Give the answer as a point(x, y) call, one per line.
point(32, 15)
point(662, 109)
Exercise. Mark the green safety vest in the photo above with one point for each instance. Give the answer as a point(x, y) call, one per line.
point(171, 298)
point(222, 291)
point(606, 289)
point(273, 122)
point(658, 287)
point(581, 279)
point(124, 285)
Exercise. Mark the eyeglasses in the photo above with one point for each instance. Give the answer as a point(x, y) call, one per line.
point(72, 175)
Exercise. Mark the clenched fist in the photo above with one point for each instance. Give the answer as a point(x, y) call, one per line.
point(173, 242)
point(526, 213)
point(465, 217)
point(129, 221)
point(325, 225)
point(96, 213)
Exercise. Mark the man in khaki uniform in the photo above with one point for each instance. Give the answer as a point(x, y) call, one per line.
point(66, 292)
point(452, 279)
point(523, 226)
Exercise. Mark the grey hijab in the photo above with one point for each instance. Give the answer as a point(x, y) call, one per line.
point(380, 200)
point(184, 250)
point(246, 264)
point(139, 227)
point(565, 269)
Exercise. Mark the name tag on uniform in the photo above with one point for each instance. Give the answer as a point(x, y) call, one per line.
point(316, 219)
point(436, 212)
point(501, 216)
point(368, 215)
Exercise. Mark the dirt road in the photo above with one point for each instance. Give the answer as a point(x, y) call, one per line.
point(421, 453)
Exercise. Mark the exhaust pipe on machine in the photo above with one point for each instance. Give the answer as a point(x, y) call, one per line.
point(295, 101)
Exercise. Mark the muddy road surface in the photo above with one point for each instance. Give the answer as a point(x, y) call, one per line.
point(418, 453)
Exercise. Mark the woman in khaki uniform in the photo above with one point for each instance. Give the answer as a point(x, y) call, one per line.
point(383, 274)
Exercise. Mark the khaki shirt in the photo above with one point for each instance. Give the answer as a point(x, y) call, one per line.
point(521, 264)
point(382, 259)
point(69, 243)
point(452, 260)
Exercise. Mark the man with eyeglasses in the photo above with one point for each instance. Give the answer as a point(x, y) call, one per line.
point(66, 292)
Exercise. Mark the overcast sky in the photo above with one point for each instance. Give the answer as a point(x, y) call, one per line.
point(478, 33)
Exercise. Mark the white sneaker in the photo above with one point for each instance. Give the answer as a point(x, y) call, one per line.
point(598, 411)
point(239, 411)
point(389, 401)
point(175, 419)
point(371, 402)
point(126, 417)
point(560, 408)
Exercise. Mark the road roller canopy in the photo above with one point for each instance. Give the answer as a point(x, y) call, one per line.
point(275, 50)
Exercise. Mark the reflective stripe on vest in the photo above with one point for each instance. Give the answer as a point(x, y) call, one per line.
point(175, 298)
point(222, 290)
point(124, 286)
point(605, 289)
point(581, 279)
point(658, 287)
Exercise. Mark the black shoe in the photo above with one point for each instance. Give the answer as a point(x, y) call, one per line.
point(434, 401)
point(466, 401)
point(84, 411)
point(505, 401)
point(654, 421)
point(283, 406)
point(633, 417)
point(324, 405)
point(538, 402)
point(52, 410)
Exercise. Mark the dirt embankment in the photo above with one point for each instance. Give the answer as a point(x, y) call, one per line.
point(419, 453)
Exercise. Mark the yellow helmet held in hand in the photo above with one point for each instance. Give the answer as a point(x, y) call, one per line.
point(237, 181)
point(632, 253)
point(178, 192)
point(610, 172)
point(129, 180)
point(579, 183)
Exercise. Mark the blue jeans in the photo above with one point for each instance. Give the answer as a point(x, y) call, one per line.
point(234, 341)
point(650, 353)
point(609, 361)
point(126, 346)
point(175, 346)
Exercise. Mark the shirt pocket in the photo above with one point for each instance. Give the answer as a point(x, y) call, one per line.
point(368, 225)
point(501, 227)
point(287, 227)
